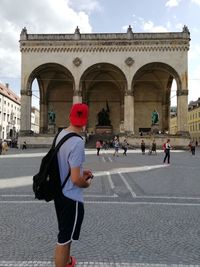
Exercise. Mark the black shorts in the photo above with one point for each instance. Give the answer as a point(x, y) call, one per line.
point(70, 215)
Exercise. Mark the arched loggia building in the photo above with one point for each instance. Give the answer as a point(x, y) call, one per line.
point(130, 72)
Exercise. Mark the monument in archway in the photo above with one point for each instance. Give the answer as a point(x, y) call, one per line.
point(132, 71)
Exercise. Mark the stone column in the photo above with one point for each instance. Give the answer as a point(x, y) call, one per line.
point(25, 127)
point(43, 118)
point(77, 97)
point(129, 112)
point(182, 111)
point(164, 124)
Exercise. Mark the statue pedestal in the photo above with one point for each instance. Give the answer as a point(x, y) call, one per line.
point(51, 128)
point(155, 128)
point(103, 130)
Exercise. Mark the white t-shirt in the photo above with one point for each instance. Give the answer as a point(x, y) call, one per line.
point(72, 154)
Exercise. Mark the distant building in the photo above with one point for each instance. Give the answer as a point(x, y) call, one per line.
point(10, 113)
point(193, 121)
point(129, 74)
point(35, 117)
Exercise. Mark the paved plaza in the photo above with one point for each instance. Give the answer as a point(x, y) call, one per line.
point(138, 212)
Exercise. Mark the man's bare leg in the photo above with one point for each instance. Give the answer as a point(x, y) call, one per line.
point(62, 255)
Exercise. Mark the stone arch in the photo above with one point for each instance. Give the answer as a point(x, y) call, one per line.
point(101, 84)
point(56, 86)
point(151, 87)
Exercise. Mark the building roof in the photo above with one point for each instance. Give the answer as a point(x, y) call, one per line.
point(6, 91)
point(194, 104)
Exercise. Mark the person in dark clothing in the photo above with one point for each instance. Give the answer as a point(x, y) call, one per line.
point(125, 147)
point(167, 149)
point(143, 147)
point(24, 146)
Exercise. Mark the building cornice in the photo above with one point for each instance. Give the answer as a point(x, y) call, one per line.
point(113, 42)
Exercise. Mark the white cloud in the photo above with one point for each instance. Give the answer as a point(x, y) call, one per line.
point(46, 16)
point(172, 3)
point(150, 27)
point(85, 5)
point(194, 72)
point(196, 2)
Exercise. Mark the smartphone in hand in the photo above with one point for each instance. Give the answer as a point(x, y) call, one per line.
point(90, 177)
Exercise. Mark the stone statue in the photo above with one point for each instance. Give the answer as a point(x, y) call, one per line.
point(103, 117)
point(154, 117)
point(51, 117)
point(185, 29)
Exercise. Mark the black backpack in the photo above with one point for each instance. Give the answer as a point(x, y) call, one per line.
point(47, 183)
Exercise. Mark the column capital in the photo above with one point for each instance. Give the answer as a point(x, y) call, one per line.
point(26, 92)
point(182, 92)
point(129, 93)
point(77, 93)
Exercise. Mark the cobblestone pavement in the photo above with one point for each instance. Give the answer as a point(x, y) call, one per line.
point(138, 212)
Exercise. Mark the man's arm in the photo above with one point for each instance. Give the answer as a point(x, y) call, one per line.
point(78, 180)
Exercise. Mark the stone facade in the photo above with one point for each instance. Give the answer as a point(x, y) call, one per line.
point(132, 72)
point(193, 115)
point(9, 113)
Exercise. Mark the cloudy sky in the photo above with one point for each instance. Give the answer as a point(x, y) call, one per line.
point(62, 16)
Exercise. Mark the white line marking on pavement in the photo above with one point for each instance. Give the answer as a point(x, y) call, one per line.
point(99, 196)
point(103, 159)
point(127, 185)
point(110, 159)
point(87, 152)
point(16, 182)
point(28, 180)
point(113, 196)
point(89, 264)
point(110, 180)
point(29, 155)
point(12, 195)
point(104, 202)
point(95, 196)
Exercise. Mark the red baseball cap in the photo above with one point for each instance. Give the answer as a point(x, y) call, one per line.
point(79, 114)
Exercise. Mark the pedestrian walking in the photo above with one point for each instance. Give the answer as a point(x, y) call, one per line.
point(24, 146)
point(69, 205)
point(192, 147)
point(153, 147)
point(125, 147)
point(167, 148)
point(98, 146)
point(143, 147)
point(116, 146)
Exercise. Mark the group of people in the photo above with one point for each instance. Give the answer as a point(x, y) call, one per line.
point(152, 149)
point(115, 143)
point(166, 147)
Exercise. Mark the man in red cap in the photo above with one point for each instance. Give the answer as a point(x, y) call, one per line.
point(69, 206)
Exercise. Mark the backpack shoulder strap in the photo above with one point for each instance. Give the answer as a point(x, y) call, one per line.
point(64, 139)
point(54, 140)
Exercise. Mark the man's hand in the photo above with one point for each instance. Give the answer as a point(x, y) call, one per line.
point(87, 174)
